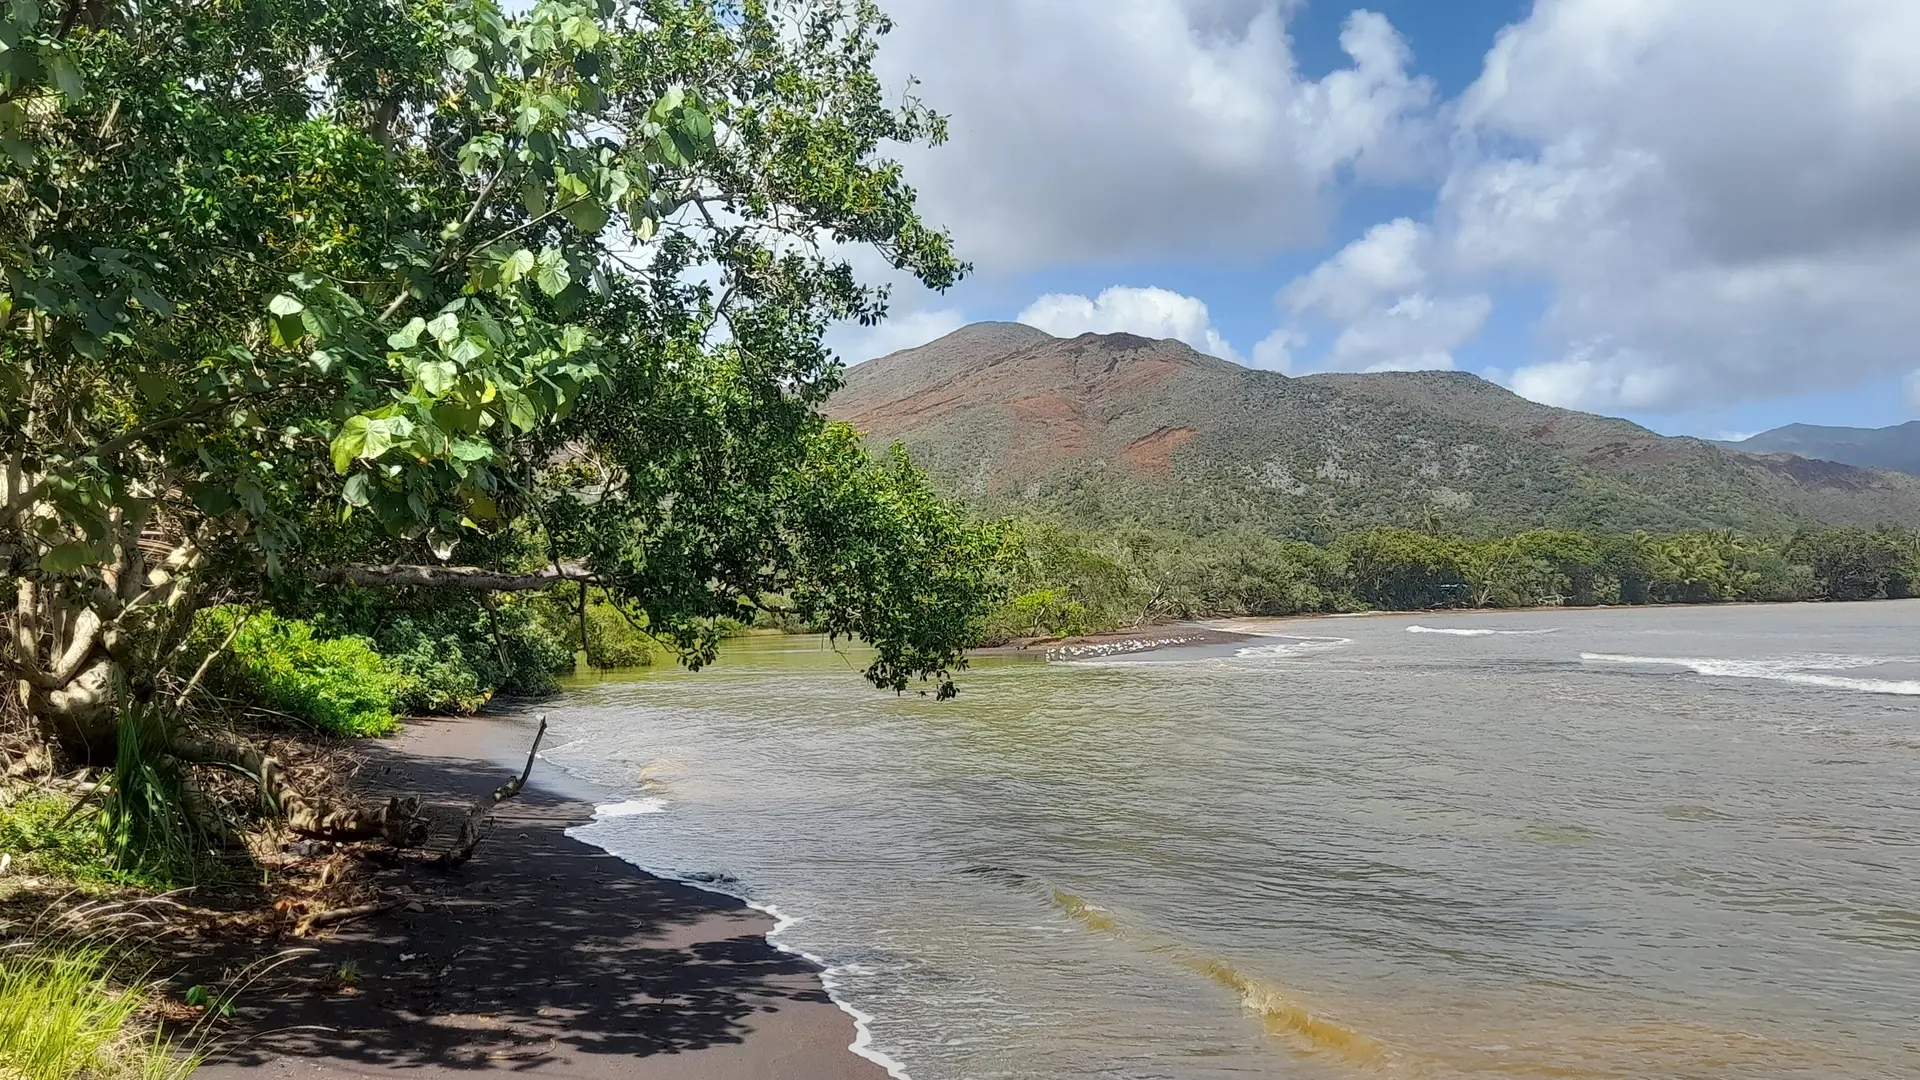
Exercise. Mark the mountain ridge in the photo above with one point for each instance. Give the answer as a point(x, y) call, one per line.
point(1119, 428)
point(1896, 447)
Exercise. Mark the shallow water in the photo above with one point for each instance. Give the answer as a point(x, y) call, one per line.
point(1619, 843)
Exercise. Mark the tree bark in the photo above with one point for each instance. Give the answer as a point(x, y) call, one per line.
point(397, 821)
point(452, 577)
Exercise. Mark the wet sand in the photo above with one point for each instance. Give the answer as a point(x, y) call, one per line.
point(543, 957)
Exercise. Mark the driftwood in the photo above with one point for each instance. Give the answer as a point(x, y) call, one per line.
point(475, 827)
point(397, 821)
point(330, 916)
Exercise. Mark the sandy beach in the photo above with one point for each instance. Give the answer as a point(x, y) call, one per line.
point(543, 957)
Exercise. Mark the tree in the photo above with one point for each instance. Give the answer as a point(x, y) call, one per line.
point(324, 293)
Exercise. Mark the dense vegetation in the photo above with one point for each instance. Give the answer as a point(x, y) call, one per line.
point(458, 303)
point(1073, 582)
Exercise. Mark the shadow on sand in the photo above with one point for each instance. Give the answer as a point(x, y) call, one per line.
point(543, 954)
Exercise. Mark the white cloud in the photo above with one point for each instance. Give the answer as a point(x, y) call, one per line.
point(1724, 195)
point(1109, 129)
point(1389, 259)
point(1153, 313)
point(1275, 351)
point(854, 343)
point(1374, 289)
point(1414, 333)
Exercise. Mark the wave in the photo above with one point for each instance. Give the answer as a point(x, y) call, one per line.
point(1478, 631)
point(1800, 670)
point(1293, 646)
point(831, 975)
point(630, 808)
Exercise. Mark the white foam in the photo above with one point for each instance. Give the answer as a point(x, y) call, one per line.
point(1294, 646)
point(1798, 670)
point(1479, 631)
point(830, 974)
point(630, 808)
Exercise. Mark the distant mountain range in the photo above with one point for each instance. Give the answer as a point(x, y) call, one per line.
point(1896, 447)
point(1114, 428)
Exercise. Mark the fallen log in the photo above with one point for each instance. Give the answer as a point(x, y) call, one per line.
point(475, 827)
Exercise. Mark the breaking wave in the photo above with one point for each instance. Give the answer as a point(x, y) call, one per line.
point(1798, 670)
point(1478, 631)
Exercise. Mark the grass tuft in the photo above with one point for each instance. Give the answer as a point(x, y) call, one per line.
point(61, 1018)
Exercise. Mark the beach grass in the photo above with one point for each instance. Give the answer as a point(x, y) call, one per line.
point(62, 1017)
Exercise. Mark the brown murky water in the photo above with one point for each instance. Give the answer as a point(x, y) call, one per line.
point(1634, 843)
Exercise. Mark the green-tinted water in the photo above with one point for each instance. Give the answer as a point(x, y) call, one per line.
point(1634, 843)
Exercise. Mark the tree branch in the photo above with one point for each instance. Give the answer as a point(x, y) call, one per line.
point(454, 577)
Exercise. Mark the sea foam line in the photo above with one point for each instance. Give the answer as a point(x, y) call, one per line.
point(830, 980)
point(1478, 631)
point(1797, 670)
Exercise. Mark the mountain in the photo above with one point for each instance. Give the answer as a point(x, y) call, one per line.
point(1896, 447)
point(1117, 428)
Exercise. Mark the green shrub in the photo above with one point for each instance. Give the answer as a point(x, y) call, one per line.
point(336, 684)
point(445, 647)
point(47, 834)
point(612, 641)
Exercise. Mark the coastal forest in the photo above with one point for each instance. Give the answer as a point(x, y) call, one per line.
point(372, 359)
point(362, 358)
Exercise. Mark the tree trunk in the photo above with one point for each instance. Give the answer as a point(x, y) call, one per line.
point(397, 820)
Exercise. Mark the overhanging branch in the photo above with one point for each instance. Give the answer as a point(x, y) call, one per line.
point(453, 577)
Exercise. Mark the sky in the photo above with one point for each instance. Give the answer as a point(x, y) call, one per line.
point(1703, 215)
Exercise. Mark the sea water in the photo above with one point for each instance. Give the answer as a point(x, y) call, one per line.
point(1581, 843)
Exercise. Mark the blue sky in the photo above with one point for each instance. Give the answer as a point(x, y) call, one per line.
point(1700, 214)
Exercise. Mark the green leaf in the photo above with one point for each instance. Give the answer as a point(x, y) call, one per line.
point(407, 336)
point(355, 493)
point(521, 413)
point(445, 327)
point(697, 126)
point(67, 77)
point(467, 351)
point(65, 558)
point(350, 443)
point(469, 450)
point(461, 58)
point(587, 215)
point(533, 196)
point(285, 305)
point(516, 266)
point(436, 377)
point(550, 272)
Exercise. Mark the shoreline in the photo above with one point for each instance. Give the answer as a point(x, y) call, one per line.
point(544, 955)
point(1238, 629)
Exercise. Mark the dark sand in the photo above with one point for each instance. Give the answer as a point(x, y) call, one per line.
point(543, 957)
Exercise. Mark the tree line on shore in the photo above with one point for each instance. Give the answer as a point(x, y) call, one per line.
point(1066, 581)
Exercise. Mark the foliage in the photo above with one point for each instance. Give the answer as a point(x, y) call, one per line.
point(61, 1018)
point(148, 834)
point(49, 834)
point(452, 652)
point(1069, 583)
point(362, 283)
point(337, 685)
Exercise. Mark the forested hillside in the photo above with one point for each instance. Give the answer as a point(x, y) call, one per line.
point(1118, 429)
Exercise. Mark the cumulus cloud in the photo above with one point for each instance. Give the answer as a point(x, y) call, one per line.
point(854, 343)
point(1090, 130)
point(1376, 291)
point(1724, 195)
point(1153, 313)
